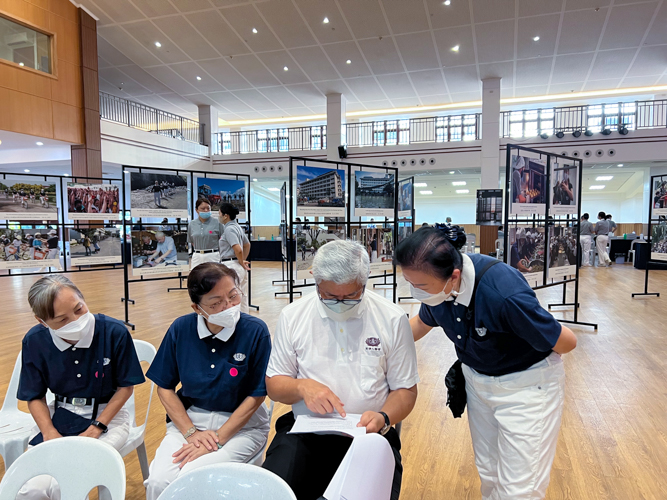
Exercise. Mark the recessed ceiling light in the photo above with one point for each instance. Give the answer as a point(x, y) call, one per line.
point(126, 171)
point(0, 142)
point(199, 78)
point(619, 165)
point(273, 189)
point(459, 183)
point(462, 191)
point(285, 68)
point(66, 174)
point(420, 184)
point(26, 170)
point(254, 30)
point(536, 39)
point(326, 20)
point(425, 192)
point(452, 172)
point(447, 2)
point(597, 187)
point(39, 143)
point(455, 48)
point(21, 64)
point(604, 178)
point(348, 62)
point(254, 180)
point(158, 44)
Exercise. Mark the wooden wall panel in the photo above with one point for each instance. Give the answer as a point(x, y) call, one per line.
point(37, 16)
point(5, 117)
point(9, 77)
point(64, 9)
point(44, 4)
point(68, 46)
point(93, 138)
point(67, 88)
point(67, 124)
point(30, 82)
point(91, 89)
point(30, 114)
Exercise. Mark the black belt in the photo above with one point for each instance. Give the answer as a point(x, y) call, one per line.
point(81, 401)
point(205, 251)
point(230, 258)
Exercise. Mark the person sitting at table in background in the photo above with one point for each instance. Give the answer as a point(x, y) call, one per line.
point(219, 355)
point(586, 231)
point(602, 239)
point(203, 234)
point(339, 350)
point(501, 233)
point(165, 250)
point(234, 249)
point(64, 354)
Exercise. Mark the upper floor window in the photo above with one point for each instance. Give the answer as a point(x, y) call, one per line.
point(25, 46)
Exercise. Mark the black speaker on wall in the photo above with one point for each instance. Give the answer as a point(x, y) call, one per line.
point(342, 151)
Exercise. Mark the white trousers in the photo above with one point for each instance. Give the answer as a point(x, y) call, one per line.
point(243, 278)
point(514, 423)
point(586, 245)
point(240, 448)
point(45, 487)
point(200, 258)
point(603, 256)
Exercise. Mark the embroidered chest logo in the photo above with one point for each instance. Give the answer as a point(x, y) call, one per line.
point(239, 356)
point(481, 331)
point(373, 344)
point(106, 361)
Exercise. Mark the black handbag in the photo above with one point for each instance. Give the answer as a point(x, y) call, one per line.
point(68, 423)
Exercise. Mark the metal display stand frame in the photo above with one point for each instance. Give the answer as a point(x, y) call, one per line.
point(61, 224)
point(284, 249)
point(651, 220)
point(410, 219)
point(547, 221)
point(348, 223)
point(192, 175)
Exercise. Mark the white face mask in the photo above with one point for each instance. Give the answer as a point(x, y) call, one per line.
point(76, 330)
point(433, 299)
point(341, 312)
point(227, 318)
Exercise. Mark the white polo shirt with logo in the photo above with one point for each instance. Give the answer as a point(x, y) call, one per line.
point(360, 359)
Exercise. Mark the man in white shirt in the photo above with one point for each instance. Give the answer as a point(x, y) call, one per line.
point(339, 350)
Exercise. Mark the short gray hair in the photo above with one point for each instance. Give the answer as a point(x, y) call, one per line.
point(160, 234)
point(343, 262)
point(43, 293)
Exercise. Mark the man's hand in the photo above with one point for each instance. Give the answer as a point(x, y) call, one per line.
point(48, 436)
point(90, 432)
point(372, 420)
point(188, 453)
point(319, 398)
point(205, 439)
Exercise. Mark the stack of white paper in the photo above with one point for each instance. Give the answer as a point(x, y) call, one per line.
point(329, 424)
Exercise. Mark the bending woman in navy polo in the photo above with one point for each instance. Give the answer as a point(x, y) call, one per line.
point(219, 356)
point(62, 354)
point(510, 349)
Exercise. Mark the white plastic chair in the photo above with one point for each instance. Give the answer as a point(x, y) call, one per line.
point(135, 441)
point(258, 459)
point(15, 425)
point(631, 252)
point(499, 249)
point(78, 464)
point(471, 238)
point(228, 481)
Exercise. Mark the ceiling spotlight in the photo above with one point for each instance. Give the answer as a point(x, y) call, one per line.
point(606, 131)
point(254, 180)
point(544, 135)
point(536, 39)
point(21, 64)
point(425, 192)
point(199, 78)
point(455, 48)
point(254, 30)
point(604, 177)
point(285, 68)
point(588, 132)
point(452, 171)
point(158, 44)
point(459, 183)
point(26, 170)
point(39, 143)
point(462, 191)
point(126, 171)
point(348, 62)
point(66, 174)
point(447, 2)
point(560, 134)
point(619, 165)
point(576, 133)
point(597, 188)
point(623, 130)
point(420, 184)
point(326, 20)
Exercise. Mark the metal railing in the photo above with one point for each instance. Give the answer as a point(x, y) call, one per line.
point(590, 117)
point(142, 117)
point(270, 140)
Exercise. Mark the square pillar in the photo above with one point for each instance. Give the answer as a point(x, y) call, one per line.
point(490, 133)
point(336, 104)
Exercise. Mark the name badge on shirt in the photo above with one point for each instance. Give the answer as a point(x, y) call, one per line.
point(239, 356)
point(373, 346)
point(481, 331)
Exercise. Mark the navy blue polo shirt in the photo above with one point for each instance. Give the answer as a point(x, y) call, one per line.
point(72, 373)
point(215, 375)
point(510, 332)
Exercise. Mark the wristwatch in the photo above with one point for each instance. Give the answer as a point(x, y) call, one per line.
point(387, 423)
point(100, 426)
point(190, 432)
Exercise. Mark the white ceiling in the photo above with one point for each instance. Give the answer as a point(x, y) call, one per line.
point(400, 51)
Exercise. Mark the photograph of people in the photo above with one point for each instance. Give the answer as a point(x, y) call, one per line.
point(158, 195)
point(527, 249)
point(509, 357)
point(27, 199)
point(660, 197)
point(92, 199)
point(405, 198)
point(63, 354)
point(218, 191)
point(338, 350)
point(563, 189)
point(659, 241)
point(158, 251)
point(102, 243)
point(528, 185)
point(218, 355)
point(204, 233)
point(234, 248)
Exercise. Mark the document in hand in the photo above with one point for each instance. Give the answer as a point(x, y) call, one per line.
point(329, 424)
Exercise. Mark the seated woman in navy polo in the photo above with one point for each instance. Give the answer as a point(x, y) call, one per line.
point(219, 356)
point(67, 353)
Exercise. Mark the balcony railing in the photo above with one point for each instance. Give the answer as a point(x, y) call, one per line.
point(271, 141)
point(590, 117)
point(142, 117)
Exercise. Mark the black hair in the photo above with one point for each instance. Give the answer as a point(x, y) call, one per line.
point(602, 215)
point(434, 250)
point(200, 201)
point(500, 228)
point(585, 216)
point(229, 209)
point(203, 278)
point(608, 216)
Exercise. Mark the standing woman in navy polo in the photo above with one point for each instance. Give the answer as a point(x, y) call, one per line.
point(67, 353)
point(219, 356)
point(510, 349)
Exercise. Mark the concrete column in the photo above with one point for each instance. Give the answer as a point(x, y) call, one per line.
point(208, 117)
point(490, 133)
point(336, 104)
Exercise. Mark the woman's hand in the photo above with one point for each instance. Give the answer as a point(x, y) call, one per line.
point(246, 265)
point(190, 452)
point(209, 440)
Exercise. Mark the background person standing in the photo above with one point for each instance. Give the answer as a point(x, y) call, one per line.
point(203, 235)
point(586, 230)
point(235, 248)
point(602, 231)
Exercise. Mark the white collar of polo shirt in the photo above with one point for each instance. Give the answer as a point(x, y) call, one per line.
point(322, 309)
point(225, 334)
point(467, 282)
point(84, 343)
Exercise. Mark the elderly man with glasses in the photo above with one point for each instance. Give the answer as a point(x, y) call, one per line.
point(341, 350)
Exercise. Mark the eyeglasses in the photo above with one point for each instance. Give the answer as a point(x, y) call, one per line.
point(347, 302)
point(233, 299)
